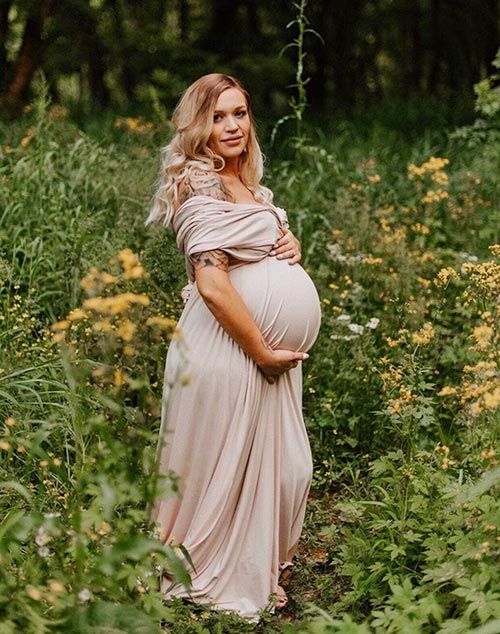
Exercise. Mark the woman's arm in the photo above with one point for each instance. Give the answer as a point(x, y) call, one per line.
point(227, 306)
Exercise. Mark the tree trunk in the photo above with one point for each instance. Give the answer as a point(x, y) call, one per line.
point(28, 59)
point(4, 31)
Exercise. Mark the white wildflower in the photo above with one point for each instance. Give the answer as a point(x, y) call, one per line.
point(84, 595)
point(373, 323)
point(356, 328)
point(343, 318)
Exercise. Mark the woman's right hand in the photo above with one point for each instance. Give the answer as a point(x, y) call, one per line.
point(279, 361)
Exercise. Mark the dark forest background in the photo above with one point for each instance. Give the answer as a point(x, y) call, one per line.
point(124, 54)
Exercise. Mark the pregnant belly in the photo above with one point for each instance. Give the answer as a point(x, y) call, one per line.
point(283, 301)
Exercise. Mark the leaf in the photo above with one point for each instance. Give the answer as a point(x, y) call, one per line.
point(487, 480)
point(102, 617)
point(493, 627)
point(16, 486)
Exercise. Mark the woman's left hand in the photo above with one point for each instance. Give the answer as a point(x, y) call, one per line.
point(287, 248)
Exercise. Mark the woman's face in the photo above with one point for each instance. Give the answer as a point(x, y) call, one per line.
point(231, 124)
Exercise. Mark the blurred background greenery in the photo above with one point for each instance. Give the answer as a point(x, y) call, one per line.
point(124, 54)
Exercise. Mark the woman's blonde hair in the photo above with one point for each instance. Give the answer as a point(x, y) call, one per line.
point(188, 150)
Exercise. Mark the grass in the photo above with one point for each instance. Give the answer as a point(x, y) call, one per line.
point(401, 393)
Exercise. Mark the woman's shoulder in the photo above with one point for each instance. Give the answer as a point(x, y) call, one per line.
point(199, 182)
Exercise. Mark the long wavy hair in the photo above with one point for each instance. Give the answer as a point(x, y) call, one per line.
point(188, 150)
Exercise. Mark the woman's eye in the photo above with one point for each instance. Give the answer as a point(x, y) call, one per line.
point(217, 117)
point(241, 113)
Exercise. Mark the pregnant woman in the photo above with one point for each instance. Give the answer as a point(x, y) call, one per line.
point(233, 433)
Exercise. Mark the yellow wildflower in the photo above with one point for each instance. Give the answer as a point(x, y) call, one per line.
point(444, 276)
point(434, 196)
point(33, 593)
point(4, 445)
point(126, 330)
point(76, 314)
point(132, 268)
point(424, 336)
point(61, 325)
point(375, 178)
point(103, 325)
point(447, 390)
point(116, 303)
point(483, 335)
point(420, 228)
point(56, 586)
point(164, 323)
point(492, 400)
point(371, 261)
point(119, 377)
point(487, 454)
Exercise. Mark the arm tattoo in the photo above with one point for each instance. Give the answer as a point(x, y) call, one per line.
point(204, 184)
point(216, 258)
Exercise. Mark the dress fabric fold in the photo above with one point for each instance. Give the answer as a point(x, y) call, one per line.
point(237, 443)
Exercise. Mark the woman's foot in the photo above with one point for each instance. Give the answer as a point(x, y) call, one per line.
point(280, 599)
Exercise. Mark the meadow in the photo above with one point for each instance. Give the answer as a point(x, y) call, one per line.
point(399, 223)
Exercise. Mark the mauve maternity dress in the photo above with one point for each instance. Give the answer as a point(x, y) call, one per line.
point(237, 443)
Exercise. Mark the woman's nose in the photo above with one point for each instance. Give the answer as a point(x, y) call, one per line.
point(231, 123)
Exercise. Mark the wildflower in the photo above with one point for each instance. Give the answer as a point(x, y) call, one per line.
point(492, 400)
point(126, 330)
point(420, 228)
point(33, 593)
point(10, 422)
point(119, 377)
point(43, 552)
point(132, 268)
point(483, 335)
point(447, 390)
point(105, 528)
point(447, 462)
point(373, 323)
point(343, 318)
point(444, 276)
point(374, 178)
point(103, 325)
point(42, 538)
point(61, 325)
point(356, 328)
point(164, 323)
point(372, 261)
point(434, 196)
point(76, 315)
point(487, 454)
point(424, 335)
point(4, 445)
point(84, 595)
point(440, 178)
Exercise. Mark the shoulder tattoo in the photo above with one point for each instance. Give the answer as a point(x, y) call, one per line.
point(217, 258)
point(199, 183)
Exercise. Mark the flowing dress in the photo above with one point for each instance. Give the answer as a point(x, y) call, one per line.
point(237, 442)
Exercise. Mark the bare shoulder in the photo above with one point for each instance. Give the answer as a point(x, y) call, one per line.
point(203, 183)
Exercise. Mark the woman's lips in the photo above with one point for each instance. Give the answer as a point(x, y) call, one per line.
point(233, 140)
